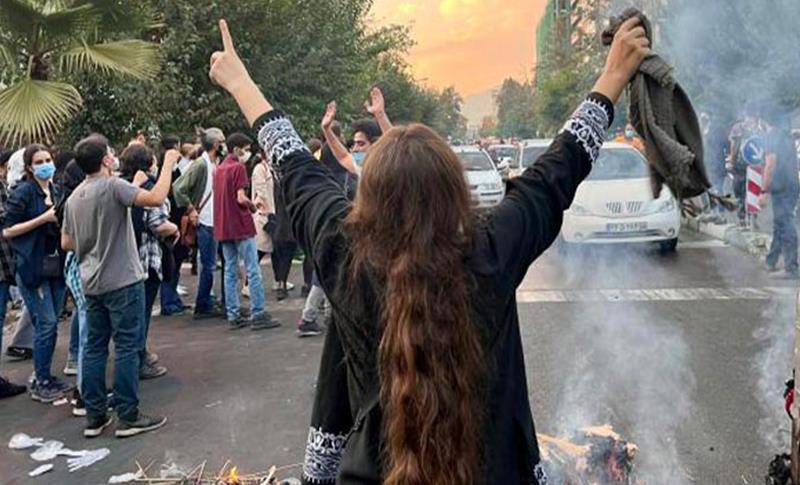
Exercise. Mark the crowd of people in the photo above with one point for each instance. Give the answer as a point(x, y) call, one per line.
point(111, 233)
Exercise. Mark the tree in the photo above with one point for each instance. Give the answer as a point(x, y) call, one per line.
point(488, 127)
point(515, 109)
point(43, 42)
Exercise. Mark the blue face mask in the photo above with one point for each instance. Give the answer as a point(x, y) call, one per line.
point(44, 171)
point(358, 158)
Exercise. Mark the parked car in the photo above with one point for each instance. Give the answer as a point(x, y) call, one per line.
point(485, 184)
point(503, 157)
point(615, 204)
point(529, 152)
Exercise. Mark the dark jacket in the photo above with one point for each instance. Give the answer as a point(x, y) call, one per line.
point(344, 440)
point(26, 202)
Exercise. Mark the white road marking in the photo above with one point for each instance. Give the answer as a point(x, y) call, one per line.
point(654, 294)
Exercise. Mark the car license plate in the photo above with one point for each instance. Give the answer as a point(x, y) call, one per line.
point(622, 227)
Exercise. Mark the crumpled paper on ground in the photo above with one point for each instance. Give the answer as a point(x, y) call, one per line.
point(41, 470)
point(21, 441)
point(87, 459)
point(48, 450)
point(126, 477)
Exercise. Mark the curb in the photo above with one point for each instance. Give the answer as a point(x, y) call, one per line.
point(754, 243)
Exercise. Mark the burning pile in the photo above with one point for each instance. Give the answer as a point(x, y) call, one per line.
point(594, 456)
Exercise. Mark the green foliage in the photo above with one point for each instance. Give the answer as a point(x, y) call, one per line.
point(515, 110)
point(302, 53)
point(44, 42)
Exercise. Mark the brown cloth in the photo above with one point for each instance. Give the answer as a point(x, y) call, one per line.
point(662, 114)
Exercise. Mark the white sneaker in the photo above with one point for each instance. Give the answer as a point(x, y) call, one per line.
point(182, 291)
point(246, 291)
point(289, 286)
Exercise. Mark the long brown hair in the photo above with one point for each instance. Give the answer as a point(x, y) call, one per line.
point(411, 225)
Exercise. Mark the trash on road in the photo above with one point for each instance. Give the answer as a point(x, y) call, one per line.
point(41, 470)
point(47, 450)
point(126, 477)
point(595, 455)
point(88, 459)
point(21, 441)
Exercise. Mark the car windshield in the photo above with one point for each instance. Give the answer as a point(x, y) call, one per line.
point(531, 154)
point(499, 153)
point(475, 161)
point(619, 163)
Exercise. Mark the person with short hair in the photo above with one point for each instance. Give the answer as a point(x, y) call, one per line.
point(236, 232)
point(98, 228)
point(31, 226)
point(194, 190)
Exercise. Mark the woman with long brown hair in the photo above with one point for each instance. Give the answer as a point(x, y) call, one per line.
point(422, 379)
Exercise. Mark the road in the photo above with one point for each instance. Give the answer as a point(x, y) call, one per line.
point(685, 355)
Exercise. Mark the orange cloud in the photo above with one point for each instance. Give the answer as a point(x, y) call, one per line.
point(471, 44)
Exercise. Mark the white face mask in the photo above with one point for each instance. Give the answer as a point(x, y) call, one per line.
point(245, 157)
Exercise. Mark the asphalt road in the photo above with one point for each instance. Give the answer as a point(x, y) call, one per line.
point(685, 355)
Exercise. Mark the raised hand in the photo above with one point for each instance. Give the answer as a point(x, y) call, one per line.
point(629, 49)
point(227, 69)
point(375, 105)
point(329, 117)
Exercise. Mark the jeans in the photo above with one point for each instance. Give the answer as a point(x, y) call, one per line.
point(23, 330)
point(119, 315)
point(246, 250)
point(171, 302)
point(784, 232)
point(74, 336)
point(80, 317)
point(282, 254)
point(314, 303)
point(44, 303)
point(151, 286)
point(207, 249)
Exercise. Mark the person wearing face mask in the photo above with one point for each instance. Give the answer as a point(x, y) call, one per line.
point(7, 388)
point(31, 227)
point(630, 137)
point(194, 190)
point(236, 232)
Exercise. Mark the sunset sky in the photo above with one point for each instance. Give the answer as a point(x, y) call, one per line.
point(471, 44)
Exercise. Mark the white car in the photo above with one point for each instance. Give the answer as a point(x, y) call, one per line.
point(503, 156)
point(615, 204)
point(529, 152)
point(485, 184)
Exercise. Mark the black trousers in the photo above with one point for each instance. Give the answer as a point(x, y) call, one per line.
point(282, 254)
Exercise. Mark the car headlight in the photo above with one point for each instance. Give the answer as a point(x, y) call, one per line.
point(665, 205)
point(579, 210)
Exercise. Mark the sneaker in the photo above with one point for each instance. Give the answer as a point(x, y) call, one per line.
point(64, 386)
point(176, 313)
point(150, 358)
point(19, 353)
point(264, 322)
point(208, 314)
point(278, 286)
point(143, 424)
point(282, 294)
point(182, 291)
point(45, 392)
point(246, 291)
point(238, 324)
point(96, 425)
point(71, 369)
point(151, 371)
point(9, 389)
point(308, 329)
point(78, 406)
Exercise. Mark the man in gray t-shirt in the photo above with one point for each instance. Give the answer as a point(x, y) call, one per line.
point(98, 228)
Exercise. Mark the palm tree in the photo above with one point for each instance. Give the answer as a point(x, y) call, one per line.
point(43, 42)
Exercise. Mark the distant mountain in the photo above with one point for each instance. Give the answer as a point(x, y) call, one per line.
point(478, 106)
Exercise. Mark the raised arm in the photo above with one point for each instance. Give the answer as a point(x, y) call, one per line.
point(376, 106)
point(529, 219)
point(338, 149)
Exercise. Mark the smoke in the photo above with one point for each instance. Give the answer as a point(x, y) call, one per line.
point(632, 371)
point(772, 366)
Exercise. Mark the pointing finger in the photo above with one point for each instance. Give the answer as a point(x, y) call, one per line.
point(227, 41)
